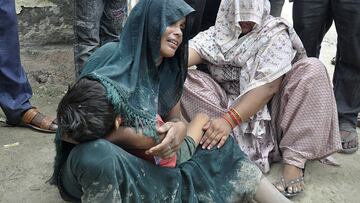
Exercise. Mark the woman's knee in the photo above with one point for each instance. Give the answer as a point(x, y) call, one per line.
point(90, 156)
point(311, 69)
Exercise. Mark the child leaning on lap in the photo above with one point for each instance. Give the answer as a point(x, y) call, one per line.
point(85, 114)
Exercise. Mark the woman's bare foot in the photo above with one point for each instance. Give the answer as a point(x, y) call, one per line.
point(292, 181)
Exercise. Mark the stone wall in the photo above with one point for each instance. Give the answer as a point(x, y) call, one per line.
point(44, 22)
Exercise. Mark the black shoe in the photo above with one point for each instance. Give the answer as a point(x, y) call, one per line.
point(333, 61)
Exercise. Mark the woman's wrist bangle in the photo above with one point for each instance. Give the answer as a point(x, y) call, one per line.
point(232, 116)
point(237, 115)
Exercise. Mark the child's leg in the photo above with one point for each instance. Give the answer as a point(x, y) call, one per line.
point(266, 192)
point(195, 127)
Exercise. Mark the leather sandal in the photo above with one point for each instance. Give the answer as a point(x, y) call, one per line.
point(45, 122)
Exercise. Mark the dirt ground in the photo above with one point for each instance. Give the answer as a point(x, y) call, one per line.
point(26, 167)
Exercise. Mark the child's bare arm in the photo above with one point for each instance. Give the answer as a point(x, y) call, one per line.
point(125, 137)
point(128, 138)
point(195, 127)
point(173, 133)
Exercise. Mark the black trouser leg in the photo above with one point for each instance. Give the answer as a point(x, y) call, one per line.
point(347, 69)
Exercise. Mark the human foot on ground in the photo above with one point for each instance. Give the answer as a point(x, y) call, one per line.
point(34, 119)
point(349, 140)
point(292, 181)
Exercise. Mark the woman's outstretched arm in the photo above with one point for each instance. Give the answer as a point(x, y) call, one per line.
point(194, 58)
point(218, 130)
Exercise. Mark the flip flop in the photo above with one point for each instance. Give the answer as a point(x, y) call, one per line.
point(45, 123)
point(285, 185)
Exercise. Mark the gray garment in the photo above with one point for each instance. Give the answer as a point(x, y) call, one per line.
point(96, 22)
point(276, 7)
point(312, 19)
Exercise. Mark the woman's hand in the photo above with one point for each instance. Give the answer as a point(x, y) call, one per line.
point(174, 133)
point(216, 133)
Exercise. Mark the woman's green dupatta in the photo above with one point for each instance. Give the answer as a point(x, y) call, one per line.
point(136, 87)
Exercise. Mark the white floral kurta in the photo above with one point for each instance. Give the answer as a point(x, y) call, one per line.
point(240, 63)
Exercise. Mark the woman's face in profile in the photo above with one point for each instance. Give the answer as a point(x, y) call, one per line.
point(172, 38)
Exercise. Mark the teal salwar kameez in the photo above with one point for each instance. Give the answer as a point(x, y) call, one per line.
point(99, 171)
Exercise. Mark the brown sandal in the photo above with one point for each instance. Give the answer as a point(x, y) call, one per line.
point(45, 123)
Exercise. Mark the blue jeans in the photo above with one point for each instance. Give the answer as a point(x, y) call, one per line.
point(96, 22)
point(312, 19)
point(15, 90)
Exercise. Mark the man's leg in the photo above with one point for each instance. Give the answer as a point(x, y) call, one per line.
point(347, 69)
point(15, 90)
point(210, 13)
point(87, 15)
point(276, 7)
point(113, 20)
point(312, 19)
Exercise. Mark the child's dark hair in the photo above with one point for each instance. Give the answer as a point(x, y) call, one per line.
point(84, 113)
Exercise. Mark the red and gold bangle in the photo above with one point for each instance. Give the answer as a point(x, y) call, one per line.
point(237, 115)
point(232, 116)
point(227, 120)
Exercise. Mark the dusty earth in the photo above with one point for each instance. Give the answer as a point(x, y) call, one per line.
point(26, 167)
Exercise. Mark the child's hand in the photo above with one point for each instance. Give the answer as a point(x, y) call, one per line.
point(216, 133)
point(174, 136)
